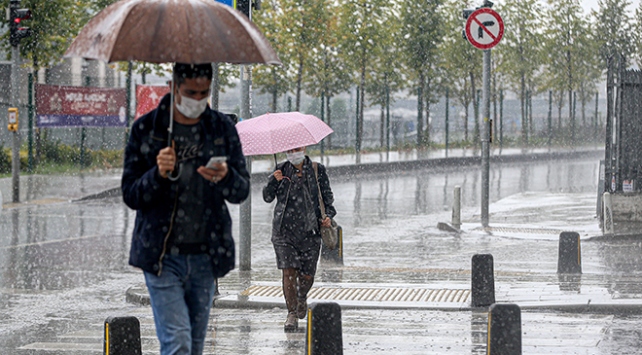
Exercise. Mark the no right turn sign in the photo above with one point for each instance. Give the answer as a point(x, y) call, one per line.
point(484, 28)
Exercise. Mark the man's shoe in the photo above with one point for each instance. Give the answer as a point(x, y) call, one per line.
point(291, 323)
point(302, 308)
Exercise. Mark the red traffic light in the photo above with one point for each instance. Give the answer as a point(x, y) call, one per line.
point(21, 14)
point(17, 16)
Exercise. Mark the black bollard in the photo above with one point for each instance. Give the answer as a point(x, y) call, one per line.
point(324, 334)
point(334, 255)
point(482, 281)
point(122, 336)
point(504, 330)
point(569, 260)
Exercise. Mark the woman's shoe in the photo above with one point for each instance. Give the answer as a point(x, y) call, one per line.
point(302, 308)
point(291, 323)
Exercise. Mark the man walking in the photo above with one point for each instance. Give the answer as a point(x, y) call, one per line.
point(182, 238)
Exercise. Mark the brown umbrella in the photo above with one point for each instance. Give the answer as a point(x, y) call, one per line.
point(164, 31)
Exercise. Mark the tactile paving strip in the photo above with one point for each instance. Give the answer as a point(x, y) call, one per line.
point(369, 294)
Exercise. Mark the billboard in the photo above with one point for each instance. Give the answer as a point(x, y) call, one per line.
point(78, 106)
point(148, 97)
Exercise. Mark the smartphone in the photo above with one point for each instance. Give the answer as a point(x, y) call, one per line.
point(215, 160)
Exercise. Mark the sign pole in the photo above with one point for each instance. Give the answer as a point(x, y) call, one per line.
point(245, 210)
point(15, 95)
point(486, 138)
point(484, 29)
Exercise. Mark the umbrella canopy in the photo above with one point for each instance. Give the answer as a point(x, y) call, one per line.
point(277, 132)
point(164, 31)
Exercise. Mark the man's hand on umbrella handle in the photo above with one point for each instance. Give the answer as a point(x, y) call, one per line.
point(166, 160)
point(327, 222)
point(278, 175)
point(215, 174)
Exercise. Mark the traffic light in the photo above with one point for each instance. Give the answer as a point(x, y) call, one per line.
point(13, 119)
point(16, 16)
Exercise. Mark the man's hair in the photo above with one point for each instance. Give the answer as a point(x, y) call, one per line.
point(184, 71)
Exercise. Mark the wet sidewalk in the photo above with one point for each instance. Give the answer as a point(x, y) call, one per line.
point(401, 269)
point(404, 285)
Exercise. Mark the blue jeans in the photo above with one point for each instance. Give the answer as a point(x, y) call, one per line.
point(181, 298)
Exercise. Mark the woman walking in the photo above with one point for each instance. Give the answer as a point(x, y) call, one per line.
point(296, 225)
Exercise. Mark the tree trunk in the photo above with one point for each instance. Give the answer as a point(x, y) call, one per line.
point(531, 128)
point(427, 97)
point(362, 88)
point(583, 96)
point(473, 90)
point(299, 80)
point(560, 104)
point(466, 120)
point(329, 120)
point(382, 125)
point(522, 105)
point(420, 112)
point(275, 92)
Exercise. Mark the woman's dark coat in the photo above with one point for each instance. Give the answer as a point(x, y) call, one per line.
point(279, 190)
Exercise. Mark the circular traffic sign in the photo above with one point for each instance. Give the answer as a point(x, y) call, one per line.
point(484, 28)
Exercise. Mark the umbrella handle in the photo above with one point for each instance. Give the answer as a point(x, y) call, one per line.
point(170, 129)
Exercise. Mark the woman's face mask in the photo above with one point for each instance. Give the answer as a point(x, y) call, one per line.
point(191, 108)
point(296, 158)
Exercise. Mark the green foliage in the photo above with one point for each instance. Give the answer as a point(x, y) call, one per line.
point(614, 32)
point(58, 153)
point(5, 160)
point(272, 79)
point(61, 158)
point(521, 51)
point(422, 32)
point(304, 22)
point(462, 61)
point(54, 24)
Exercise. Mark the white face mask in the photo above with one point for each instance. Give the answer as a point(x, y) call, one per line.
point(191, 108)
point(295, 158)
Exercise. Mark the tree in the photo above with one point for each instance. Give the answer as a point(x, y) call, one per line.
point(53, 24)
point(361, 25)
point(613, 32)
point(326, 73)
point(422, 33)
point(521, 50)
point(462, 63)
point(272, 79)
point(302, 23)
point(566, 41)
point(386, 76)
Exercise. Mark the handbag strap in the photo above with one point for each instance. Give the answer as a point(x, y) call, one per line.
point(321, 205)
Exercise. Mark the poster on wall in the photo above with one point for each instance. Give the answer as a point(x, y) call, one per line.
point(79, 106)
point(148, 97)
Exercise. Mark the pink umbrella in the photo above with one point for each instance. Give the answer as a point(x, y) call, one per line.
point(278, 132)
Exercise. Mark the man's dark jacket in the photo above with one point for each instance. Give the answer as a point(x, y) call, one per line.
point(155, 198)
point(280, 189)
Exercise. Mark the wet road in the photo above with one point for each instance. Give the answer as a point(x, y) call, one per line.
point(64, 269)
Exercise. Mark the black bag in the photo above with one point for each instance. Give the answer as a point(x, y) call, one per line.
point(329, 235)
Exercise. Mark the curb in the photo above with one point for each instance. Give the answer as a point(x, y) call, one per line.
point(138, 295)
